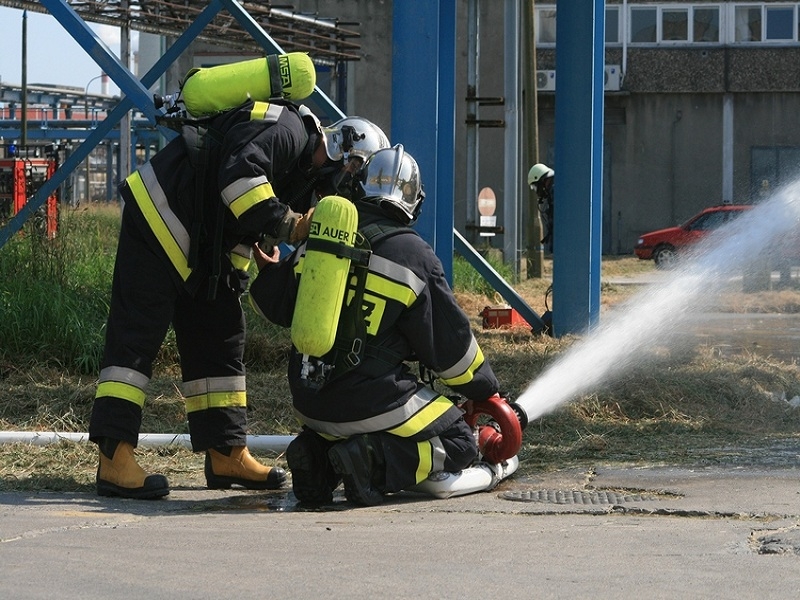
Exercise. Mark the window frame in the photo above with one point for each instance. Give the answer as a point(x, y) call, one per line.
point(726, 23)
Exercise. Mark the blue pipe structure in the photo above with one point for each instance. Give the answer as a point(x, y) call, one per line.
point(419, 29)
point(71, 23)
point(577, 243)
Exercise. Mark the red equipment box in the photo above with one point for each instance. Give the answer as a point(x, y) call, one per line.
point(496, 317)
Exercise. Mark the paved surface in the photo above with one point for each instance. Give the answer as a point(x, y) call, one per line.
point(655, 532)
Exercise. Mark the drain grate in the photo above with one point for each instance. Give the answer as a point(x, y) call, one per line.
point(577, 496)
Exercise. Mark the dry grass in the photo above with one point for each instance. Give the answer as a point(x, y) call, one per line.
point(678, 405)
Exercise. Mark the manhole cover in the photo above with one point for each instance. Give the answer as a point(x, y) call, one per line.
point(577, 496)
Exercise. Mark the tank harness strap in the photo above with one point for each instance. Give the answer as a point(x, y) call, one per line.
point(198, 138)
point(351, 346)
point(358, 256)
point(275, 83)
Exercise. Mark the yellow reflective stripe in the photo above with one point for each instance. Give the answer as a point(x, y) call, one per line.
point(391, 289)
point(423, 418)
point(177, 255)
point(382, 422)
point(425, 465)
point(255, 307)
point(238, 258)
point(264, 111)
point(400, 274)
point(124, 391)
point(249, 198)
point(467, 376)
point(216, 400)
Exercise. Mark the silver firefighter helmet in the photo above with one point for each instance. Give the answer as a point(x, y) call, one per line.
point(353, 137)
point(390, 178)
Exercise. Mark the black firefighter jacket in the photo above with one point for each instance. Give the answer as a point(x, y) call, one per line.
point(222, 180)
point(411, 315)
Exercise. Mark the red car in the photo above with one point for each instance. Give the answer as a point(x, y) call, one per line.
point(664, 245)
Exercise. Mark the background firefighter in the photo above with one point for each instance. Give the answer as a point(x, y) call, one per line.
point(190, 219)
point(376, 425)
point(541, 179)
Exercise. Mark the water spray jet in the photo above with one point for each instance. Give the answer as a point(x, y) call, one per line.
point(619, 342)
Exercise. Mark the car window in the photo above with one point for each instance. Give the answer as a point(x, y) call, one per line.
point(708, 221)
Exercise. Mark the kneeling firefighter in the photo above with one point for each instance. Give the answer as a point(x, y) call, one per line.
point(191, 217)
point(367, 419)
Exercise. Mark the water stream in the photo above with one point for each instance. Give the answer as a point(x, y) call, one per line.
point(623, 336)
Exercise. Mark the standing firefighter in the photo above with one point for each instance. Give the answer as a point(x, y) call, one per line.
point(191, 216)
point(541, 179)
point(368, 420)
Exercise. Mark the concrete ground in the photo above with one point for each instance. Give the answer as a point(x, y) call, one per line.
point(644, 532)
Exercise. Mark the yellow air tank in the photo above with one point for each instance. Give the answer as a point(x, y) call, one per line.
point(323, 282)
point(209, 90)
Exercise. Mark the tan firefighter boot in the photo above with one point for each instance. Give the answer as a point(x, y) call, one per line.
point(233, 465)
point(118, 474)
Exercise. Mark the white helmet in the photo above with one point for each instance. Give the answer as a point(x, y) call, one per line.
point(390, 178)
point(537, 172)
point(353, 136)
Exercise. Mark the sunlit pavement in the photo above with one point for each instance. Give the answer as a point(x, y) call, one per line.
point(717, 531)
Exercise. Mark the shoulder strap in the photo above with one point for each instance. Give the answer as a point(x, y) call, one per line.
point(375, 232)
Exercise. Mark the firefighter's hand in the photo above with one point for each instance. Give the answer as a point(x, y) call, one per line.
point(301, 227)
point(262, 258)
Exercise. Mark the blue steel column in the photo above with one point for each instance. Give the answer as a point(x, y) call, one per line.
point(415, 100)
point(579, 165)
point(445, 139)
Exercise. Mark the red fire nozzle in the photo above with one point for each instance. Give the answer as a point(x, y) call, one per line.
point(502, 439)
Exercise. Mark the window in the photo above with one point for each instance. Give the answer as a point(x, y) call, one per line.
point(747, 23)
point(546, 26)
point(779, 23)
point(765, 23)
point(675, 25)
point(643, 25)
point(612, 25)
point(706, 25)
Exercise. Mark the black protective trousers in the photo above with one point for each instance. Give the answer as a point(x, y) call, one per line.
point(401, 455)
point(146, 297)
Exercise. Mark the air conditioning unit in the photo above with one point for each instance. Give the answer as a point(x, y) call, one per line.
point(611, 78)
point(546, 81)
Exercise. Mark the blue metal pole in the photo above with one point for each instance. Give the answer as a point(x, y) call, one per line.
point(445, 146)
point(101, 54)
point(110, 122)
point(578, 165)
point(415, 99)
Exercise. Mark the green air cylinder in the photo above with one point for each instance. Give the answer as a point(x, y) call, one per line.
point(210, 90)
point(323, 281)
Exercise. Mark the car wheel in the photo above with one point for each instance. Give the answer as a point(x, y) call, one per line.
point(665, 257)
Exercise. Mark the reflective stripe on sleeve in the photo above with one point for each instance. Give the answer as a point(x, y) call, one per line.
point(463, 371)
point(240, 256)
point(170, 232)
point(243, 194)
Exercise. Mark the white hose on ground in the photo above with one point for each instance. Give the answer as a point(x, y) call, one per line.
point(267, 443)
